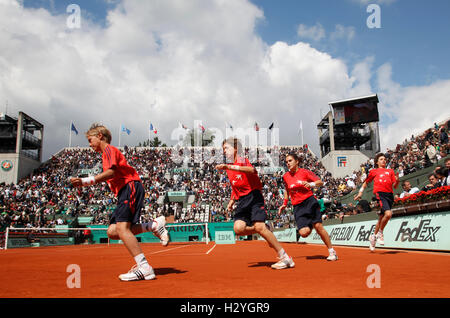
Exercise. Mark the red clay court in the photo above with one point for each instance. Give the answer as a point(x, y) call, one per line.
point(241, 270)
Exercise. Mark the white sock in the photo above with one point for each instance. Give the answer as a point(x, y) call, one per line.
point(282, 253)
point(331, 250)
point(141, 261)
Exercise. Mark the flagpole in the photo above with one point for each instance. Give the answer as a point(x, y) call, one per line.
point(301, 125)
point(70, 134)
point(120, 130)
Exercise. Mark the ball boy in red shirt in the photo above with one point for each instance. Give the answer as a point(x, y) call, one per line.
point(125, 183)
point(383, 181)
point(250, 213)
point(299, 183)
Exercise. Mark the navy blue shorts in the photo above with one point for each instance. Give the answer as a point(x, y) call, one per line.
point(250, 208)
point(307, 213)
point(130, 203)
point(386, 200)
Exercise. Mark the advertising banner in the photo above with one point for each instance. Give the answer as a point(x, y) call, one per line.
point(225, 237)
point(286, 235)
point(429, 231)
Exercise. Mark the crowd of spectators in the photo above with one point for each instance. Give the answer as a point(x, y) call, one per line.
point(40, 199)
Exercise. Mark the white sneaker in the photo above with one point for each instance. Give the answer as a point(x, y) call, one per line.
point(161, 231)
point(380, 238)
point(332, 256)
point(372, 240)
point(283, 262)
point(138, 273)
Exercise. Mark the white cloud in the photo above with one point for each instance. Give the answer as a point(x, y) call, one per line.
point(362, 75)
point(342, 32)
point(411, 110)
point(167, 62)
point(315, 32)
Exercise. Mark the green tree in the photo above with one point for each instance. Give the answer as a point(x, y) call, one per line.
point(207, 138)
point(155, 142)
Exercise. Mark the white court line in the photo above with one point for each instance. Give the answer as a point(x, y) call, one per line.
point(211, 249)
point(170, 249)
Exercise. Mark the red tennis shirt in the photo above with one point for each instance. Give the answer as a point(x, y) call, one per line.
point(123, 172)
point(297, 191)
point(383, 179)
point(243, 183)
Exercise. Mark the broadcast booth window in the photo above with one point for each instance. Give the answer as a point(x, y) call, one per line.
point(364, 110)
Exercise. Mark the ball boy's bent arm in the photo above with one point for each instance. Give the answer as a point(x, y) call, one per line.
point(105, 175)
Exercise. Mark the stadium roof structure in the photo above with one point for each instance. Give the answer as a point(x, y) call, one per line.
point(350, 124)
point(373, 97)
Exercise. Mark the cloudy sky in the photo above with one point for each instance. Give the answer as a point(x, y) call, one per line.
point(165, 62)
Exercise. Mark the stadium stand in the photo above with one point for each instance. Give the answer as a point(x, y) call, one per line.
point(196, 192)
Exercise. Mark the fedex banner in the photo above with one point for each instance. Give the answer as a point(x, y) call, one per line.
point(429, 231)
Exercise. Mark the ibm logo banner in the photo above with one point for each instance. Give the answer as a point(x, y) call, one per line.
point(341, 161)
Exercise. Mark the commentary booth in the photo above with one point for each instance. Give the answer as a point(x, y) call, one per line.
point(21, 142)
point(349, 134)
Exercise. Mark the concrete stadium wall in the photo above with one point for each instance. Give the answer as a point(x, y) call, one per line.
point(22, 166)
point(339, 168)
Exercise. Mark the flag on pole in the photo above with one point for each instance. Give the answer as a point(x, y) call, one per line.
point(271, 126)
point(124, 129)
point(153, 129)
point(74, 129)
point(256, 126)
point(202, 128)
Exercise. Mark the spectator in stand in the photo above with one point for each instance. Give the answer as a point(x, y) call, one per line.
point(429, 153)
point(443, 136)
point(363, 206)
point(336, 206)
point(447, 164)
point(401, 171)
point(351, 184)
point(433, 183)
point(407, 190)
point(350, 209)
point(442, 175)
